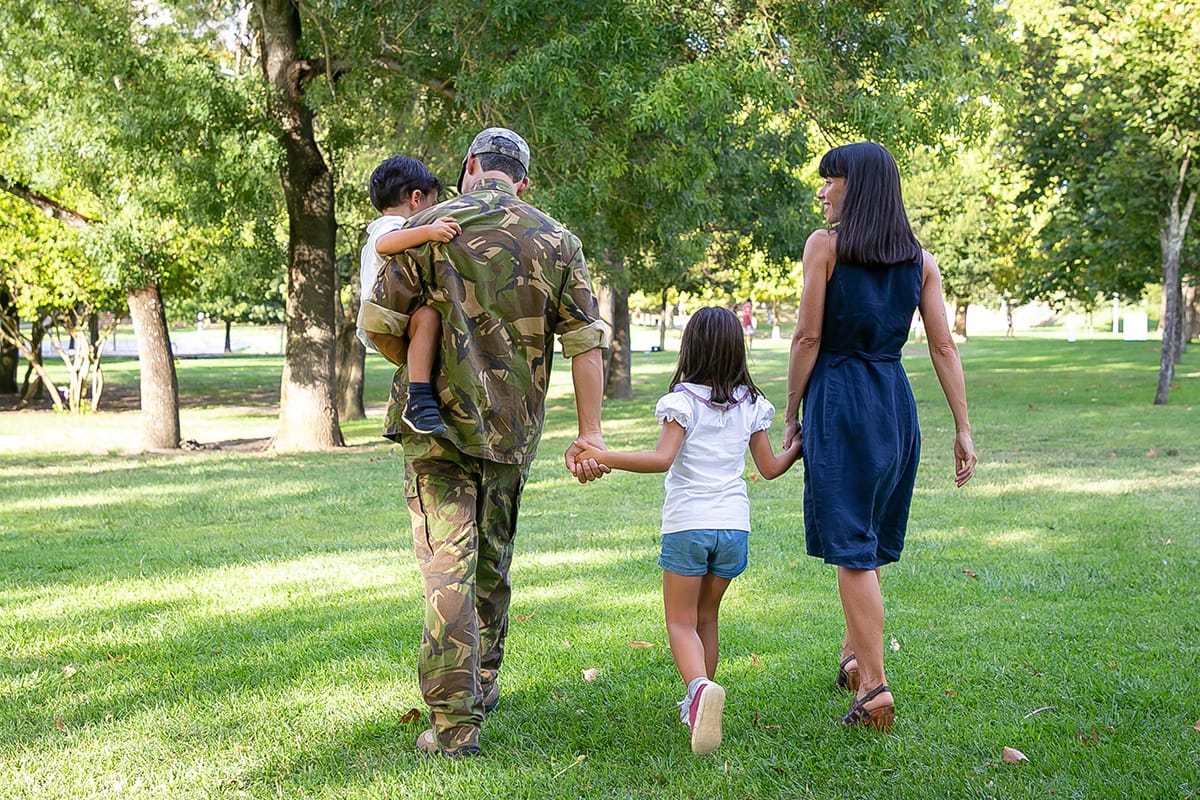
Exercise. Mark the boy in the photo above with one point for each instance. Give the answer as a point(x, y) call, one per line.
point(400, 187)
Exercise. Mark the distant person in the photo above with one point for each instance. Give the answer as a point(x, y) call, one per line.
point(512, 281)
point(400, 187)
point(709, 418)
point(748, 323)
point(864, 275)
point(1008, 334)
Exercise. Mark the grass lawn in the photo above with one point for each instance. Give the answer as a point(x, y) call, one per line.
point(231, 623)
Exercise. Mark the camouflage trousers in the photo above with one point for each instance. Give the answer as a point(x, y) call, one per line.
point(464, 517)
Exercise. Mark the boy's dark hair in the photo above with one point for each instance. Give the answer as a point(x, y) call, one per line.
point(394, 181)
point(712, 353)
point(874, 229)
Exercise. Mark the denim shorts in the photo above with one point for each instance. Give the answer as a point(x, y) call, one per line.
point(693, 553)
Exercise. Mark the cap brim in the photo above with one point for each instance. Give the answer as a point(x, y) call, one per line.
point(462, 173)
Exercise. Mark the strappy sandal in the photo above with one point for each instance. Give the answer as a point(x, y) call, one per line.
point(847, 679)
point(880, 719)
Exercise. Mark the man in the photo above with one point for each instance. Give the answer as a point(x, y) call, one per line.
point(510, 281)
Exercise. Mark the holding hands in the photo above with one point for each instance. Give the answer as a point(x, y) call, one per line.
point(581, 457)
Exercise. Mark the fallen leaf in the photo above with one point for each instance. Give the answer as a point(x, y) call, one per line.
point(115, 659)
point(895, 645)
point(567, 644)
point(754, 476)
point(969, 574)
point(1084, 738)
point(58, 723)
point(1013, 756)
point(948, 692)
point(523, 617)
point(641, 644)
point(1198, 725)
point(68, 671)
point(754, 659)
point(1168, 541)
point(412, 715)
point(591, 674)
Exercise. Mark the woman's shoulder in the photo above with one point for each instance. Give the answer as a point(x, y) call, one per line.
point(822, 237)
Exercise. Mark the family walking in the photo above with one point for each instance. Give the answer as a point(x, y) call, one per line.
point(470, 430)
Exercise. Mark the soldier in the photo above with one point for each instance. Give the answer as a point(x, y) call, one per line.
point(503, 287)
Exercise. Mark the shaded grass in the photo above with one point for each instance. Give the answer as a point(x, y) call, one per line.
point(238, 624)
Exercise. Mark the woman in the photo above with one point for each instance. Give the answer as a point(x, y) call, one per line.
point(864, 275)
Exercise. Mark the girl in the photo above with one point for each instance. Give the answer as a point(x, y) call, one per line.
point(711, 414)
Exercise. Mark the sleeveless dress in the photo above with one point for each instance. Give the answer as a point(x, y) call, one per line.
point(861, 444)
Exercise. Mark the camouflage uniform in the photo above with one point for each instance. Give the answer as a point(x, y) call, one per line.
point(504, 287)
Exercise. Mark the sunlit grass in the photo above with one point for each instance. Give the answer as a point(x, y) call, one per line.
point(230, 623)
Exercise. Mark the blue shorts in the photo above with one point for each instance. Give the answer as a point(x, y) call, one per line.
point(693, 553)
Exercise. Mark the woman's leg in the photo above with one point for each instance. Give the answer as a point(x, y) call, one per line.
point(862, 605)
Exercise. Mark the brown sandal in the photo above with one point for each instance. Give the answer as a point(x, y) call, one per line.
point(880, 719)
point(847, 679)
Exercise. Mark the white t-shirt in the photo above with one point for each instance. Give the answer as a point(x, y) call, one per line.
point(370, 261)
point(704, 485)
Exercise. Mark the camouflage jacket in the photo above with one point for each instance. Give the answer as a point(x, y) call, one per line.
point(504, 287)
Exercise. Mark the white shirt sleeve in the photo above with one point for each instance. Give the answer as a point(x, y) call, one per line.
point(675, 406)
point(764, 414)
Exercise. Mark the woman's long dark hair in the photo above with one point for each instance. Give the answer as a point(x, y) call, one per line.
point(712, 353)
point(874, 228)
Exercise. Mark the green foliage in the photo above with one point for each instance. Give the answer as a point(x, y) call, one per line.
point(122, 112)
point(1110, 114)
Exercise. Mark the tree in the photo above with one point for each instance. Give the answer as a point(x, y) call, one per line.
point(121, 113)
point(1111, 152)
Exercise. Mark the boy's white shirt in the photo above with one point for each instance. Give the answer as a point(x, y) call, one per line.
point(705, 487)
point(370, 261)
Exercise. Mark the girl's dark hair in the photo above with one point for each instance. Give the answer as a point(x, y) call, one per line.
point(874, 228)
point(712, 353)
point(394, 181)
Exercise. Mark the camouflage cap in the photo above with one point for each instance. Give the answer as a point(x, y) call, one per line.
point(496, 140)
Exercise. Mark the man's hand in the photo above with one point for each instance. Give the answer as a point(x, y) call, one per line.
point(585, 469)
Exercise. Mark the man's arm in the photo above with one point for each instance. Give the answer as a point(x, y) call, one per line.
point(587, 373)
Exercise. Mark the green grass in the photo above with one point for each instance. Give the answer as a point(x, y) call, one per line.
point(231, 623)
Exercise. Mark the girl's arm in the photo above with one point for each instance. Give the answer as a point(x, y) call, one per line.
point(442, 230)
point(769, 464)
point(944, 355)
point(657, 460)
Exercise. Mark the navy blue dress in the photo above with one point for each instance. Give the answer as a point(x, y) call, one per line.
point(861, 443)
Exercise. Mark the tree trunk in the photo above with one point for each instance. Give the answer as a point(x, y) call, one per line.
point(159, 383)
point(228, 336)
point(33, 387)
point(618, 384)
point(351, 366)
point(308, 413)
point(1191, 313)
point(960, 318)
point(9, 355)
point(663, 323)
point(1171, 236)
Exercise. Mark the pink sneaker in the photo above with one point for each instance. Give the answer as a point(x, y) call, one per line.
point(704, 717)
